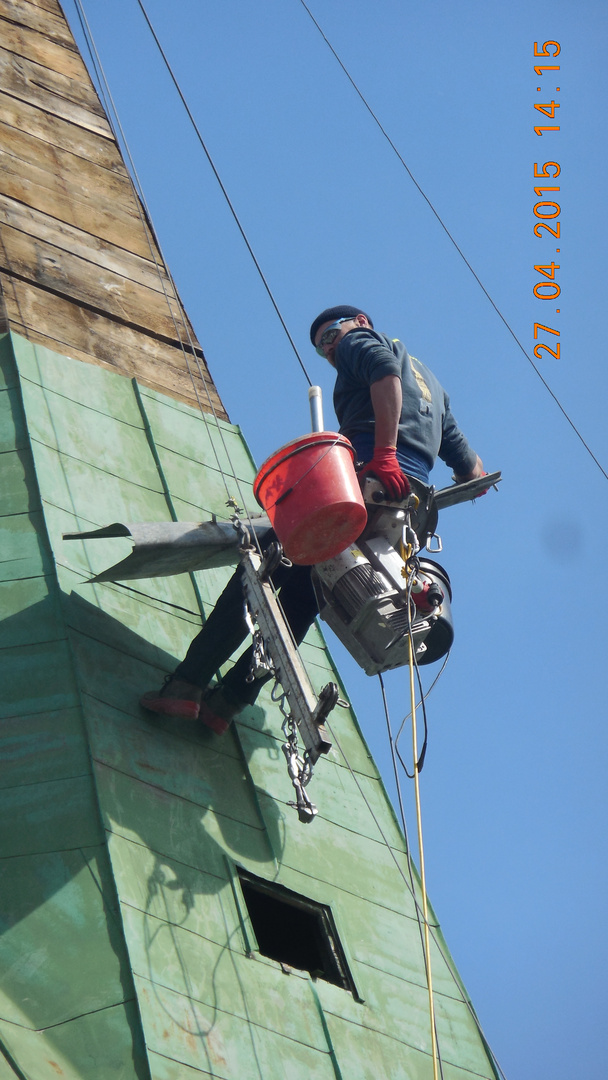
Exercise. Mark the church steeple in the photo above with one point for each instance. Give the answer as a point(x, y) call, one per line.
point(165, 913)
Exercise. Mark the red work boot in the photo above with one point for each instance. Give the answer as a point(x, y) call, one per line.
point(176, 698)
point(218, 709)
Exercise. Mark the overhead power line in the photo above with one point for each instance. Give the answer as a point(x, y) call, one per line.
point(451, 238)
point(224, 191)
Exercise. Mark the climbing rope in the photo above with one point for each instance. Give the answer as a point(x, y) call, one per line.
point(426, 929)
point(408, 548)
point(425, 913)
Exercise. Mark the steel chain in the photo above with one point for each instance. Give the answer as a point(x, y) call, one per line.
point(299, 768)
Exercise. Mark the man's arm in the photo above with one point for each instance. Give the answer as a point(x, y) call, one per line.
point(455, 449)
point(386, 397)
point(387, 401)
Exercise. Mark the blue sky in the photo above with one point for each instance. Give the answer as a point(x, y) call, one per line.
point(514, 789)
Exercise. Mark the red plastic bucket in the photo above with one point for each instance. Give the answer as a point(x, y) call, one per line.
point(310, 491)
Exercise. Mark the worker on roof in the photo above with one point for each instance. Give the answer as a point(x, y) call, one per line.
point(390, 406)
point(398, 418)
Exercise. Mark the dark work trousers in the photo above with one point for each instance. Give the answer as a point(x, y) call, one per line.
point(226, 629)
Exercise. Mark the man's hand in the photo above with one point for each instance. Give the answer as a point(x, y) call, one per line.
point(477, 471)
point(386, 468)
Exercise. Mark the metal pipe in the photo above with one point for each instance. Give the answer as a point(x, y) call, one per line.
point(315, 397)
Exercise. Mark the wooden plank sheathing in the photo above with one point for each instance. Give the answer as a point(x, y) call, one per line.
point(39, 47)
point(30, 233)
point(147, 304)
point(59, 184)
point(52, 6)
point(72, 99)
point(56, 132)
point(89, 336)
point(98, 290)
point(75, 247)
point(44, 17)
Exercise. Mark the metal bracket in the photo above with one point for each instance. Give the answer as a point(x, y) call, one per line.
point(467, 490)
point(309, 711)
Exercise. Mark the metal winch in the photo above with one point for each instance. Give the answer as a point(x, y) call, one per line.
point(379, 596)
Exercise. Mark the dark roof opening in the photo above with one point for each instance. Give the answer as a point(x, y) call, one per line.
point(296, 931)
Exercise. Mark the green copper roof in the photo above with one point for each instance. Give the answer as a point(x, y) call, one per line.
point(127, 948)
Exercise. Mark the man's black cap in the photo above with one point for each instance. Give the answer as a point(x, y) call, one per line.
point(343, 311)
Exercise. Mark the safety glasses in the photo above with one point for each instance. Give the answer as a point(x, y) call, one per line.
point(330, 335)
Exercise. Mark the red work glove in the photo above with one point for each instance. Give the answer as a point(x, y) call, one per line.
point(386, 468)
point(485, 490)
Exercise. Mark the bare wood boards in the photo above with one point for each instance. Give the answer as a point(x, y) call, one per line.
point(79, 266)
point(88, 335)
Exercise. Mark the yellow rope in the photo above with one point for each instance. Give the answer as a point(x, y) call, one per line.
point(427, 937)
